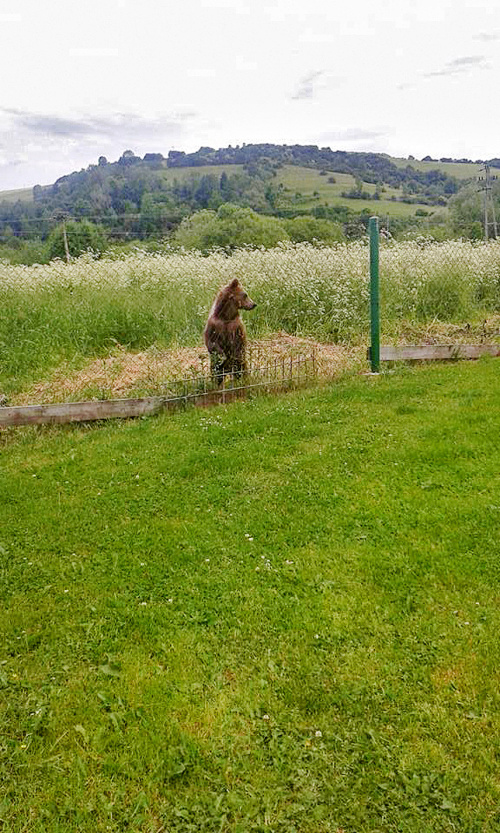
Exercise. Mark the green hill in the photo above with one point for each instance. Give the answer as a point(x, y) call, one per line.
point(305, 188)
point(136, 197)
point(459, 170)
point(22, 194)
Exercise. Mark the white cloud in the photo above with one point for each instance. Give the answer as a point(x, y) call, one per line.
point(94, 52)
point(307, 86)
point(58, 144)
point(98, 78)
point(487, 37)
point(460, 65)
point(352, 134)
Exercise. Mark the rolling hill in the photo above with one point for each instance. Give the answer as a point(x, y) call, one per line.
point(136, 196)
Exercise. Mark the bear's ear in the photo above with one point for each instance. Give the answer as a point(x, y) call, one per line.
point(234, 283)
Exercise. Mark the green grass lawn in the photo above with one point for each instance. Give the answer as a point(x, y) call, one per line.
point(281, 615)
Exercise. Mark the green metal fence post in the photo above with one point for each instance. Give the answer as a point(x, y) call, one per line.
point(374, 297)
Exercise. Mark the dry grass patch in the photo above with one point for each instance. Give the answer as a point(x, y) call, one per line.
point(127, 373)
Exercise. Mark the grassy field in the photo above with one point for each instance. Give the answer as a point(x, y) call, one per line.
point(62, 314)
point(23, 194)
point(280, 615)
point(180, 174)
point(461, 170)
point(306, 181)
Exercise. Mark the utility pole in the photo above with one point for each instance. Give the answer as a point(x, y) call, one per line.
point(65, 238)
point(485, 186)
point(61, 216)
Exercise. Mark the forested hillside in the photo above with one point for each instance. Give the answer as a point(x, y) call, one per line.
point(136, 197)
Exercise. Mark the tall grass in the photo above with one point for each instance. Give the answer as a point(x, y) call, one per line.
point(59, 311)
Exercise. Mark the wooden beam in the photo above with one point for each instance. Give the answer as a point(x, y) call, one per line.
point(79, 411)
point(110, 408)
point(430, 352)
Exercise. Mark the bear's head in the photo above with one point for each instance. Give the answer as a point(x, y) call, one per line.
point(231, 299)
point(240, 296)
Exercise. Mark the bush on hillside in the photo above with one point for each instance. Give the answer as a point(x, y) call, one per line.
point(231, 227)
point(310, 229)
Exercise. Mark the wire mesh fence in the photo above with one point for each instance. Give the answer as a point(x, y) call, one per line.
point(453, 281)
point(278, 363)
point(284, 373)
point(131, 324)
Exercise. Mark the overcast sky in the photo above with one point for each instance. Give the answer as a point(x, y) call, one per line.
point(97, 77)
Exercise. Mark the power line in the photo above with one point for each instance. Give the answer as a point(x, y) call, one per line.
point(101, 219)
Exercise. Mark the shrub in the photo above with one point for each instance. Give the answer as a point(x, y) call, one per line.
point(229, 228)
point(309, 229)
point(82, 236)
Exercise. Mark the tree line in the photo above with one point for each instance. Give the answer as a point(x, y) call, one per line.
point(135, 198)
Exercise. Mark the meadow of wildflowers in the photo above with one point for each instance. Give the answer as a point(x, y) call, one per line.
point(66, 312)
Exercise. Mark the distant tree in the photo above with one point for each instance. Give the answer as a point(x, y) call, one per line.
point(355, 228)
point(207, 193)
point(224, 187)
point(476, 231)
point(175, 158)
point(237, 226)
point(102, 161)
point(466, 210)
point(194, 231)
point(128, 158)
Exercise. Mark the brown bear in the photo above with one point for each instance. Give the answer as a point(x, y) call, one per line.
point(225, 335)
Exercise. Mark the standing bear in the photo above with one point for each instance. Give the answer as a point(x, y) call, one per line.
point(225, 335)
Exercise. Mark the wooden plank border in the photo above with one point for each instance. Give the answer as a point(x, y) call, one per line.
point(78, 411)
point(18, 415)
point(437, 352)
